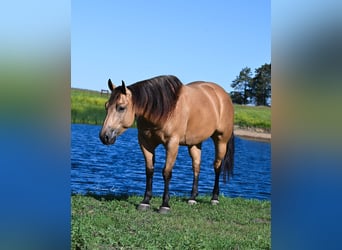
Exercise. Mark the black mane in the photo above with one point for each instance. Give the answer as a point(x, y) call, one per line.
point(156, 98)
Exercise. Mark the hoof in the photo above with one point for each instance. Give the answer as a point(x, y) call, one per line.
point(164, 210)
point(192, 202)
point(143, 207)
point(214, 202)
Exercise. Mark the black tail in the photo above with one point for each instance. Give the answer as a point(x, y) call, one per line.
point(227, 164)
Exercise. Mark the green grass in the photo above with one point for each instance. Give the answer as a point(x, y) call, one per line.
point(253, 117)
point(114, 223)
point(88, 107)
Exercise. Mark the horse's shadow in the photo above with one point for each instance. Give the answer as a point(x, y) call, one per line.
point(112, 197)
point(108, 197)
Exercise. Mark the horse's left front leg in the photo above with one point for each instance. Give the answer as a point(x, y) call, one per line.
point(171, 155)
point(149, 154)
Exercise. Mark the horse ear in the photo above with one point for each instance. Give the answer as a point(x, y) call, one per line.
point(123, 87)
point(110, 85)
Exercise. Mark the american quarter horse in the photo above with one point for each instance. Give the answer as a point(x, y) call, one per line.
point(172, 114)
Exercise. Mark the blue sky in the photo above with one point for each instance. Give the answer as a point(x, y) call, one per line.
point(194, 40)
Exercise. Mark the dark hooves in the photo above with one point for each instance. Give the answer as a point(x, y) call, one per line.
point(143, 207)
point(164, 210)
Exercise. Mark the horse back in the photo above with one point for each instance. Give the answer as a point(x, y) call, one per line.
point(205, 108)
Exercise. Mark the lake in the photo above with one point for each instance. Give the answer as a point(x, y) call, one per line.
point(119, 169)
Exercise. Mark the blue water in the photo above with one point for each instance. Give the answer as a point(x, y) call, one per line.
point(119, 169)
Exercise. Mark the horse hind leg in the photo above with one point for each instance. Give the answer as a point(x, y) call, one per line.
point(220, 151)
point(195, 153)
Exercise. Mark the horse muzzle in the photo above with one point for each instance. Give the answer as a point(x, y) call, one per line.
point(108, 137)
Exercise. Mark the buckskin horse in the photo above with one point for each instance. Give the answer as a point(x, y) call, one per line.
point(172, 114)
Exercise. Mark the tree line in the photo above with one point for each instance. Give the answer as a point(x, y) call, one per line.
point(252, 89)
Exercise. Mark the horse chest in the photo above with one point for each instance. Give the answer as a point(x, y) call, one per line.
point(153, 134)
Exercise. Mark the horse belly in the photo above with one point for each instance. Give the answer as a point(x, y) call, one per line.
point(199, 130)
point(200, 125)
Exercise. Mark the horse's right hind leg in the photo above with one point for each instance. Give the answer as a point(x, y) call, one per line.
point(220, 151)
point(195, 153)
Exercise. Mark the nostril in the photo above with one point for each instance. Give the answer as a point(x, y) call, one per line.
point(104, 138)
point(108, 137)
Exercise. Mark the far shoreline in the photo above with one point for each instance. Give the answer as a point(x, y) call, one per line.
point(257, 134)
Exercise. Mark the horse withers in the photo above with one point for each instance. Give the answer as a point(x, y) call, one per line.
point(172, 114)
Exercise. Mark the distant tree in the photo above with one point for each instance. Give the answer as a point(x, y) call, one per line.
point(241, 86)
point(236, 97)
point(261, 85)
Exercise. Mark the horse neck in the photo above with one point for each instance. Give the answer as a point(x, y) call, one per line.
point(144, 118)
point(138, 110)
point(148, 106)
point(141, 115)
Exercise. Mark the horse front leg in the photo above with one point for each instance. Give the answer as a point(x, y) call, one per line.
point(149, 160)
point(171, 155)
point(195, 153)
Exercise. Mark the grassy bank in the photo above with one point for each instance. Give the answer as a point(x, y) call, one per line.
point(88, 107)
point(253, 117)
point(114, 223)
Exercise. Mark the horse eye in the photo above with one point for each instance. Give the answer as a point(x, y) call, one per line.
point(121, 108)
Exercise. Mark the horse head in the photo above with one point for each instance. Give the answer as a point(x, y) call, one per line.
point(120, 113)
